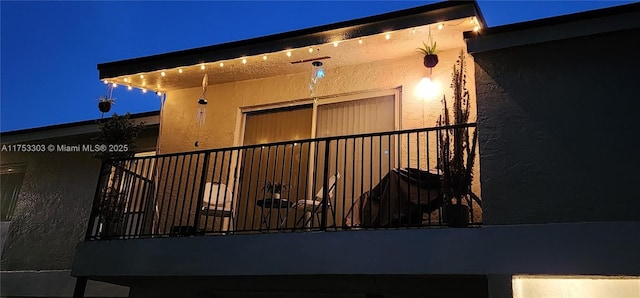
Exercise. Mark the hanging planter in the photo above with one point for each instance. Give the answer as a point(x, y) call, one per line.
point(105, 102)
point(429, 52)
point(430, 60)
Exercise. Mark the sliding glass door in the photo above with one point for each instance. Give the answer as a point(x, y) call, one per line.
point(283, 164)
point(361, 162)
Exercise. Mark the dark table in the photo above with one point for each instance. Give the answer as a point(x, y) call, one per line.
point(271, 204)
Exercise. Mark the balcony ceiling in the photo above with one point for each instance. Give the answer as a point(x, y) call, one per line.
point(401, 43)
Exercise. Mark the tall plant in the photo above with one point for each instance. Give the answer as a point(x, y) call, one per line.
point(457, 148)
point(117, 140)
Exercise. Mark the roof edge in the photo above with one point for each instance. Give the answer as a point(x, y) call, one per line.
point(297, 38)
point(68, 129)
point(564, 26)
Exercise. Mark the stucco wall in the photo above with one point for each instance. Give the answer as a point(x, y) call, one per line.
point(53, 206)
point(180, 130)
point(557, 128)
point(52, 209)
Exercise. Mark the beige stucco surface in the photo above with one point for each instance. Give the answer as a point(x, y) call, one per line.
point(180, 129)
point(223, 126)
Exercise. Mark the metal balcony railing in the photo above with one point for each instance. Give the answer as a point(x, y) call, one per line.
point(367, 181)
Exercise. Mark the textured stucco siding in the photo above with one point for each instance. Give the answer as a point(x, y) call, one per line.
point(558, 130)
point(54, 204)
point(180, 130)
point(52, 209)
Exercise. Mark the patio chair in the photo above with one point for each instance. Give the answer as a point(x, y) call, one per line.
point(218, 202)
point(313, 208)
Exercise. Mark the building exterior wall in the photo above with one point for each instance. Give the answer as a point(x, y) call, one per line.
point(179, 125)
point(179, 128)
point(50, 218)
point(52, 208)
point(556, 123)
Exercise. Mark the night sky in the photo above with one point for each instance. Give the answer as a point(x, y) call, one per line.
point(49, 50)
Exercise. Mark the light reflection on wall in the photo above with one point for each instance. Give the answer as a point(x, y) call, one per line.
point(584, 286)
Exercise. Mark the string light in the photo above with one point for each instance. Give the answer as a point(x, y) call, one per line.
point(127, 80)
point(114, 85)
point(159, 93)
point(105, 82)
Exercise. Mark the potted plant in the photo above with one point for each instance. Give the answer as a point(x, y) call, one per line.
point(457, 151)
point(123, 132)
point(104, 104)
point(429, 52)
point(274, 188)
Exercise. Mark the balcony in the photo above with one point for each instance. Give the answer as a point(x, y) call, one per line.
point(382, 180)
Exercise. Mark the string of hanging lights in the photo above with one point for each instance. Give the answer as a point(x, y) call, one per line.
point(128, 80)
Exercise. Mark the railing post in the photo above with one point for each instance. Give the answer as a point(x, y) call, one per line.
point(325, 189)
point(96, 201)
point(203, 181)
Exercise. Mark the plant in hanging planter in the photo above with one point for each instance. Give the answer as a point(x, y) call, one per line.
point(457, 151)
point(429, 52)
point(274, 188)
point(105, 103)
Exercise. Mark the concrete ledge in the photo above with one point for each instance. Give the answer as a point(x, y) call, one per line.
point(571, 248)
point(52, 283)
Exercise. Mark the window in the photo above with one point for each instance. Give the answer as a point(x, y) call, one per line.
point(11, 177)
